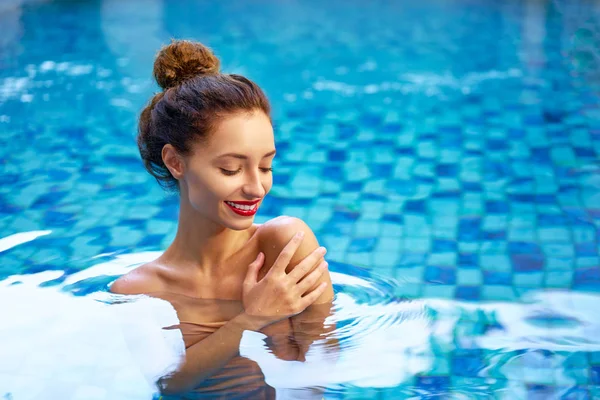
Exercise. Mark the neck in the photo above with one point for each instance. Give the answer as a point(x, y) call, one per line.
point(201, 243)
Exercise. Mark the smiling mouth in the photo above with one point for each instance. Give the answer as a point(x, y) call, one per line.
point(244, 208)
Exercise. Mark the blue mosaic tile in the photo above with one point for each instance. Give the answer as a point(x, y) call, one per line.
point(469, 229)
point(586, 249)
point(432, 384)
point(467, 362)
point(494, 235)
point(418, 206)
point(394, 218)
point(362, 244)
point(447, 170)
point(468, 260)
point(440, 275)
point(576, 393)
point(469, 293)
point(412, 259)
point(57, 218)
point(336, 155)
point(496, 207)
point(524, 248)
point(540, 392)
point(587, 278)
point(594, 378)
point(527, 262)
point(497, 278)
point(442, 246)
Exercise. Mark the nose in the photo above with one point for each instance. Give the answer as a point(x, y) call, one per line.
point(253, 187)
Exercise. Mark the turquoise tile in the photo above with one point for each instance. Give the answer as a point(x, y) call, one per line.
point(439, 291)
point(416, 226)
point(367, 228)
point(318, 213)
point(449, 222)
point(583, 262)
point(469, 277)
point(529, 279)
point(332, 242)
point(439, 208)
point(468, 247)
point(578, 376)
point(554, 234)
point(558, 279)
point(471, 208)
point(497, 293)
point(293, 211)
point(442, 259)
point(522, 234)
point(440, 366)
point(359, 259)
point(495, 262)
point(558, 250)
point(385, 259)
point(493, 247)
point(391, 230)
point(410, 291)
point(495, 222)
point(417, 245)
point(410, 274)
point(559, 264)
point(444, 233)
point(387, 244)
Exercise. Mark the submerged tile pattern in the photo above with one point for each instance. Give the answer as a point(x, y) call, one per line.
point(453, 149)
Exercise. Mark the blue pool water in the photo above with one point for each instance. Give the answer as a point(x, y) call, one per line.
point(448, 149)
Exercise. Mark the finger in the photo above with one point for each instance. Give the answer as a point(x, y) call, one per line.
point(312, 296)
point(253, 268)
point(312, 278)
point(284, 258)
point(307, 264)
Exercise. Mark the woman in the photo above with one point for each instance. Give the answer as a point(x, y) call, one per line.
point(209, 136)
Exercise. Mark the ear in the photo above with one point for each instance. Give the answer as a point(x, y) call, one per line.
point(173, 161)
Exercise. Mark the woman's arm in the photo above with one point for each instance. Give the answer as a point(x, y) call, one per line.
point(291, 342)
point(276, 233)
point(208, 356)
point(275, 297)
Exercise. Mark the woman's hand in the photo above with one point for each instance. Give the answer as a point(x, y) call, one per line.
point(280, 295)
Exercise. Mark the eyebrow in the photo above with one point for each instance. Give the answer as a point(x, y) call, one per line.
point(243, 157)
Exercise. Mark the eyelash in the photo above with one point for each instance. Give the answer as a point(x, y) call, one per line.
point(231, 173)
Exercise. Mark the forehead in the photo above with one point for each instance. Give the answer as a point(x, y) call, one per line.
point(242, 133)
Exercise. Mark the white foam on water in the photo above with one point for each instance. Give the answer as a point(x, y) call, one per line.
point(56, 346)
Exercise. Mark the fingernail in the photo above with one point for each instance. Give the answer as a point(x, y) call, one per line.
point(324, 265)
point(300, 234)
point(322, 250)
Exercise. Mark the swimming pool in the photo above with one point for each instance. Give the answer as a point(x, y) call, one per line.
point(449, 147)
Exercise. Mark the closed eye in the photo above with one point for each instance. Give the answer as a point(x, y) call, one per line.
point(229, 172)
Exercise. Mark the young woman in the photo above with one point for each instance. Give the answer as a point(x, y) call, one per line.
point(209, 136)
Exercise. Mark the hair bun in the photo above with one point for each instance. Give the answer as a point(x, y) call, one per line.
point(182, 60)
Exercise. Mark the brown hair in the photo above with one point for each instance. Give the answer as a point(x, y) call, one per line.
point(195, 97)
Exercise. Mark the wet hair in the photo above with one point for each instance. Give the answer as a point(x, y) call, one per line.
point(196, 96)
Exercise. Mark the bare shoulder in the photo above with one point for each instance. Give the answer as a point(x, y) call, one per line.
point(141, 280)
point(278, 231)
point(275, 234)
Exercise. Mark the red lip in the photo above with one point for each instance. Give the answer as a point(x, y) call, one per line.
point(246, 203)
point(244, 213)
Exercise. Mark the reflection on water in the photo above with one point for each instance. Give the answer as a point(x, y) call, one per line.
point(375, 340)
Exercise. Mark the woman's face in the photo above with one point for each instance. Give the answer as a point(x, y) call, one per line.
point(227, 177)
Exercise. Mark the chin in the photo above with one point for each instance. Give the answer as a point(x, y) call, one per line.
point(239, 225)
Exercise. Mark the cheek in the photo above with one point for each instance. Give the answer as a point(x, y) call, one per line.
point(203, 189)
point(267, 183)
